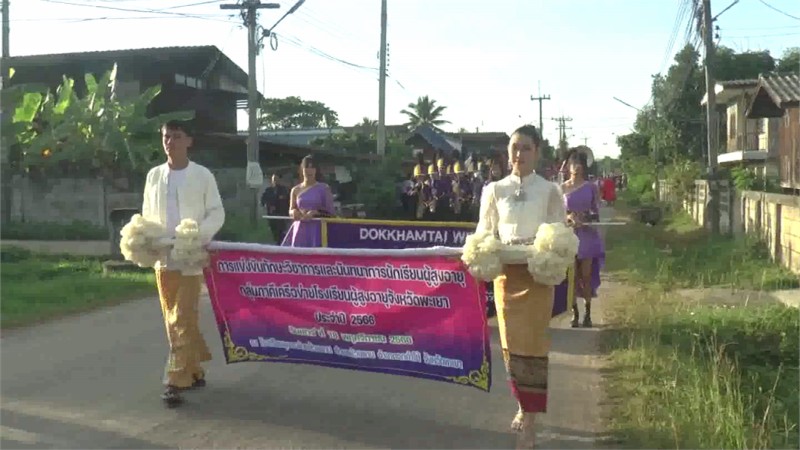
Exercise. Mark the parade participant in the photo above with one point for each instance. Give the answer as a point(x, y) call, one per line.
point(421, 192)
point(443, 191)
point(275, 200)
point(465, 191)
point(582, 201)
point(512, 209)
point(610, 190)
point(181, 189)
point(308, 200)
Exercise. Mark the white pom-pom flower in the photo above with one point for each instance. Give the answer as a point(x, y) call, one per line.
point(141, 241)
point(188, 251)
point(554, 251)
point(479, 254)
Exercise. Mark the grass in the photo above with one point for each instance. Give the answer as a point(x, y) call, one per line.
point(679, 254)
point(687, 375)
point(240, 228)
point(34, 288)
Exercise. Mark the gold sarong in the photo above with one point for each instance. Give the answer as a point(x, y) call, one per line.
point(180, 297)
point(524, 310)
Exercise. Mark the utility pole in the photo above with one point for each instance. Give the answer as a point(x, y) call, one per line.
point(539, 99)
point(562, 128)
point(382, 86)
point(711, 119)
point(254, 176)
point(6, 30)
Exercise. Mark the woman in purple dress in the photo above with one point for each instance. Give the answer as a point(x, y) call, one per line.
point(308, 200)
point(582, 201)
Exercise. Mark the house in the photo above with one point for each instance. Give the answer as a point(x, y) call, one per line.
point(197, 78)
point(777, 101)
point(743, 142)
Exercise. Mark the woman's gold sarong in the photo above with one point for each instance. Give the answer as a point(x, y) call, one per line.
point(524, 309)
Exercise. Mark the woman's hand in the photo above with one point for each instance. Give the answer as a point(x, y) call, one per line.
point(310, 214)
point(574, 220)
point(296, 214)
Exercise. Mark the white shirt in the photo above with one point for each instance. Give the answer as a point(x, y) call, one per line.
point(195, 196)
point(175, 179)
point(503, 214)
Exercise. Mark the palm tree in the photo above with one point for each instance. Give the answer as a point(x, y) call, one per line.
point(425, 112)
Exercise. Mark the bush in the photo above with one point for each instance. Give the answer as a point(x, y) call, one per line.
point(240, 228)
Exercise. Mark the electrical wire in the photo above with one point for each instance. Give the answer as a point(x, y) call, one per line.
point(151, 11)
point(778, 10)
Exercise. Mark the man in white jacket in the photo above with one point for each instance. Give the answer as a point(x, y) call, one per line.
point(176, 190)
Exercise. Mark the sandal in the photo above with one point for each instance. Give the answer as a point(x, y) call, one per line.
point(171, 397)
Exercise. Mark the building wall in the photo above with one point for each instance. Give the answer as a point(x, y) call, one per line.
point(789, 148)
point(773, 218)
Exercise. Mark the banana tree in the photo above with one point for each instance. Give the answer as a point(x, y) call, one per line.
point(96, 134)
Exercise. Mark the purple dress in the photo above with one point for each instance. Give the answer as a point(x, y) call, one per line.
point(308, 233)
point(584, 199)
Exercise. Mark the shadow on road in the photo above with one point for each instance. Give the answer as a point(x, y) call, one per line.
point(61, 434)
point(370, 424)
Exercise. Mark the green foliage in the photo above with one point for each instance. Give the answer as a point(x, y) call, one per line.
point(39, 287)
point(375, 187)
point(741, 66)
point(681, 175)
point(50, 231)
point(96, 135)
point(790, 62)
point(294, 112)
point(677, 253)
point(746, 179)
point(425, 112)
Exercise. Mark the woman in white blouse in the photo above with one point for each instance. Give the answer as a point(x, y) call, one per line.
point(513, 208)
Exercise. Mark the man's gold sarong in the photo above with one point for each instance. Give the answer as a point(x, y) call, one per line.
point(180, 297)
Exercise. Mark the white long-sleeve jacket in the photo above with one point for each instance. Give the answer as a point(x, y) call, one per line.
point(198, 199)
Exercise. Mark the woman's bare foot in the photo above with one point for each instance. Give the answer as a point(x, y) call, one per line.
point(516, 424)
point(526, 438)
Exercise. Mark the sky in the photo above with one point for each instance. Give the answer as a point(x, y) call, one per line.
point(483, 60)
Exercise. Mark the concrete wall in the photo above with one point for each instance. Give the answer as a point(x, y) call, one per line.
point(773, 218)
point(67, 200)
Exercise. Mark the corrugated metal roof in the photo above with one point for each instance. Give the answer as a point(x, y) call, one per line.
point(782, 89)
point(738, 83)
point(435, 139)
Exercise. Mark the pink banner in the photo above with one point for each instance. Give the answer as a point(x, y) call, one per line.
point(399, 312)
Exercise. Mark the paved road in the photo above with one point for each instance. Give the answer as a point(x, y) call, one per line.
point(93, 382)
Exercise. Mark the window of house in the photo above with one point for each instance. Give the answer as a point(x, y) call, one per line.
point(180, 79)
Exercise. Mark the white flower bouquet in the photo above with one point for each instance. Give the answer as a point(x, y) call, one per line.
point(549, 256)
point(481, 255)
point(188, 250)
point(553, 252)
point(142, 241)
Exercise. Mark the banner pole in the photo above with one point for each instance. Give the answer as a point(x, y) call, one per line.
point(324, 232)
point(570, 287)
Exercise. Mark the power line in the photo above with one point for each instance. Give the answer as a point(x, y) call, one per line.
point(778, 10)
point(115, 8)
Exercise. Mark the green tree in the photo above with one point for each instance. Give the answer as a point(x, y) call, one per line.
point(97, 134)
point(294, 112)
point(375, 187)
point(730, 65)
point(790, 62)
point(425, 112)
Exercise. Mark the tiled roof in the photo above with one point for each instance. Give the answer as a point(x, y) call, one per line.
point(782, 89)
